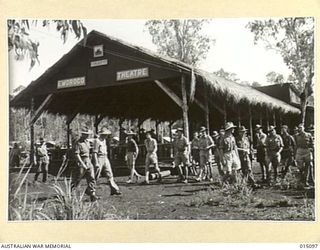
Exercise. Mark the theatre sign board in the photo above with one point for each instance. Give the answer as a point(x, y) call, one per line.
point(132, 74)
point(72, 82)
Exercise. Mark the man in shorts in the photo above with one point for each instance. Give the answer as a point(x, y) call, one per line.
point(303, 153)
point(43, 161)
point(102, 163)
point(287, 154)
point(261, 151)
point(205, 145)
point(132, 152)
point(195, 151)
point(229, 151)
point(181, 155)
point(151, 156)
point(274, 146)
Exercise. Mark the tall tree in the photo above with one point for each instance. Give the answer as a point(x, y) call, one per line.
point(293, 38)
point(275, 78)
point(180, 39)
point(23, 45)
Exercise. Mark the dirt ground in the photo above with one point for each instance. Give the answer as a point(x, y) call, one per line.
point(170, 200)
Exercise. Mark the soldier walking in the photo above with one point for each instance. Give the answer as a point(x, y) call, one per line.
point(261, 151)
point(303, 153)
point(217, 137)
point(132, 152)
point(229, 151)
point(274, 146)
point(102, 163)
point(181, 155)
point(151, 157)
point(287, 154)
point(244, 149)
point(205, 144)
point(84, 166)
point(43, 161)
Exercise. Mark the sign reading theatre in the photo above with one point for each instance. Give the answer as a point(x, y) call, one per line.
point(72, 82)
point(132, 74)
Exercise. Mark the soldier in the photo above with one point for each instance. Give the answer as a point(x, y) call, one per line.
point(205, 144)
point(151, 157)
point(229, 151)
point(43, 161)
point(181, 155)
point(217, 157)
point(132, 152)
point(244, 149)
point(274, 146)
point(195, 150)
point(261, 150)
point(303, 153)
point(102, 163)
point(287, 154)
point(85, 167)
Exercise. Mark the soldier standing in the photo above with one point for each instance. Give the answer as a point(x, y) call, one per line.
point(229, 151)
point(102, 163)
point(205, 145)
point(43, 161)
point(261, 150)
point(274, 146)
point(303, 153)
point(151, 157)
point(132, 152)
point(181, 155)
point(85, 167)
point(195, 150)
point(287, 154)
point(244, 149)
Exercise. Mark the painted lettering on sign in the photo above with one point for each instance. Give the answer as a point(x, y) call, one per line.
point(99, 63)
point(72, 82)
point(132, 74)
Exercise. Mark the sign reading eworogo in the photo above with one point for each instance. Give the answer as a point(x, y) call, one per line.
point(132, 74)
point(72, 82)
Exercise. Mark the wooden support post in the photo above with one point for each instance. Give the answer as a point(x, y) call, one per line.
point(68, 136)
point(185, 107)
point(225, 113)
point(98, 119)
point(239, 117)
point(280, 119)
point(44, 104)
point(157, 129)
point(170, 130)
point(261, 119)
point(267, 115)
point(250, 123)
point(170, 93)
point(32, 131)
point(274, 118)
point(207, 113)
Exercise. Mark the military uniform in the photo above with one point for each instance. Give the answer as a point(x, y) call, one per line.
point(195, 150)
point(180, 146)
point(273, 145)
point(82, 148)
point(230, 154)
point(205, 154)
point(304, 145)
point(100, 148)
point(151, 147)
point(217, 157)
point(244, 144)
point(43, 162)
point(287, 154)
point(132, 152)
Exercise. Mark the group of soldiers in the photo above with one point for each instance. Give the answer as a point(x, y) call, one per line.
point(232, 155)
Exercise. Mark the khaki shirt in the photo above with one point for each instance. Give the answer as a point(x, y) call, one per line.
point(195, 143)
point(100, 147)
point(204, 142)
point(228, 143)
point(243, 143)
point(274, 143)
point(304, 140)
point(261, 140)
point(180, 145)
point(82, 148)
point(151, 145)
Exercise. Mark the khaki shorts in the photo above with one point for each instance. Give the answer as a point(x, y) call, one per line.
point(303, 155)
point(273, 158)
point(231, 161)
point(151, 158)
point(181, 158)
point(205, 157)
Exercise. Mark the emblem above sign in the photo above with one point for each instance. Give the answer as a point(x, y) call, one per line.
point(98, 51)
point(132, 74)
point(72, 82)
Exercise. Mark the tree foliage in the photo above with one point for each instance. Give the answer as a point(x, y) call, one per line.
point(180, 39)
point(293, 38)
point(275, 78)
point(227, 75)
point(23, 45)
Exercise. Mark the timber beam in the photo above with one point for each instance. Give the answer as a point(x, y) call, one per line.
point(170, 93)
point(41, 108)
